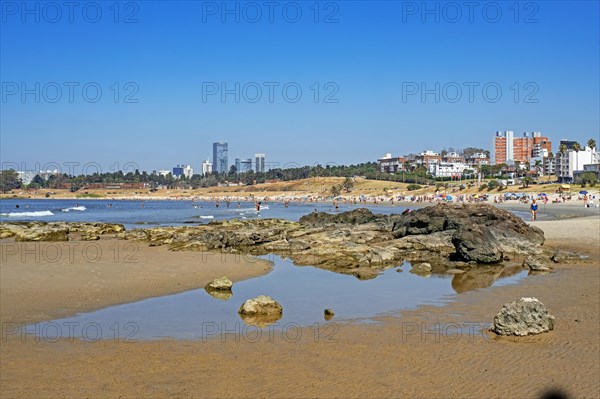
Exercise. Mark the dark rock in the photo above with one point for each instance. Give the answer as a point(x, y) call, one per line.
point(476, 243)
point(354, 217)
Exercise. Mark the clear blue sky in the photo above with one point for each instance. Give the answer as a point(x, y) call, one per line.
point(373, 54)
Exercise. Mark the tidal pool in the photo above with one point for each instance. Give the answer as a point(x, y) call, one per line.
point(303, 291)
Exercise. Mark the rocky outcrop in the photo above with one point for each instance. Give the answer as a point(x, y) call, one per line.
point(535, 264)
point(220, 284)
point(523, 317)
point(57, 231)
point(357, 242)
point(481, 232)
point(568, 257)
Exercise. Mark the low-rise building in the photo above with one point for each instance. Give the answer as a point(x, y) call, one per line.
point(444, 169)
point(389, 164)
point(477, 160)
point(183, 170)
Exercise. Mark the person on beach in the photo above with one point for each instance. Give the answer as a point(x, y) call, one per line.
point(534, 209)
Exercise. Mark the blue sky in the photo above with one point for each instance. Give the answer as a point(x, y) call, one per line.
point(542, 56)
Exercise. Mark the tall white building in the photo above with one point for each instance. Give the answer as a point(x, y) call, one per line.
point(207, 167)
point(259, 164)
point(573, 161)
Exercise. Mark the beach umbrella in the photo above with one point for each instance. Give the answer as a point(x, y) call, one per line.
point(449, 197)
point(583, 192)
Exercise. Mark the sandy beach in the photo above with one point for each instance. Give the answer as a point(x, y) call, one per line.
point(433, 351)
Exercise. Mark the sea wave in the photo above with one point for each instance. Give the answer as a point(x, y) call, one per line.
point(207, 217)
point(27, 214)
point(74, 208)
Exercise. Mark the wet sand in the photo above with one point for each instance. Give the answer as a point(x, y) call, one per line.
point(48, 280)
point(391, 357)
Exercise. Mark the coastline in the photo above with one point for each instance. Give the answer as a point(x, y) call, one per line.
point(42, 281)
point(336, 359)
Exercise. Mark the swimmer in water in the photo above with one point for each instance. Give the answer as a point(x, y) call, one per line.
point(258, 206)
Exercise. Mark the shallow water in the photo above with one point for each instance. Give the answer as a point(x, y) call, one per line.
point(303, 291)
point(139, 214)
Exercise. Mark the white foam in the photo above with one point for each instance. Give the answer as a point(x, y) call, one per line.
point(75, 208)
point(207, 217)
point(27, 214)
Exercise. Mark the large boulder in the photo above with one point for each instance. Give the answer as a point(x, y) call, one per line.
point(476, 243)
point(523, 317)
point(445, 217)
point(480, 232)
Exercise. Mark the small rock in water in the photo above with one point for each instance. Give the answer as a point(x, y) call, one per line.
point(261, 305)
point(523, 317)
point(260, 311)
point(220, 284)
point(329, 312)
point(422, 267)
point(535, 264)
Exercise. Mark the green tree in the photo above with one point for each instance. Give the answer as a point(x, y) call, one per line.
point(9, 180)
point(348, 184)
point(587, 178)
point(591, 143)
point(576, 148)
point(562, 148)
point(538, 167)
point(335, 190)
point(526, 180)
point(37, 182)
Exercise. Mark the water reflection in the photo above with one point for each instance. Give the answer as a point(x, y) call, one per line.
point(223, 295)
point(482, 276)
point(303, 292)
point(260, 320)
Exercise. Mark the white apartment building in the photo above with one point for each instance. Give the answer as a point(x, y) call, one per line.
point(573, 161)
point(207, 167)
point(446, 169)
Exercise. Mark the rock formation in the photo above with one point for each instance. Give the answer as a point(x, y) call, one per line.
point(523, 317)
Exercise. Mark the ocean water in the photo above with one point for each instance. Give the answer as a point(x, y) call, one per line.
point(136, 214)
point(303, 291)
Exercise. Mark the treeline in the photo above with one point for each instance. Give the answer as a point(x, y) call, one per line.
point(414, 175)
point(368, 170)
